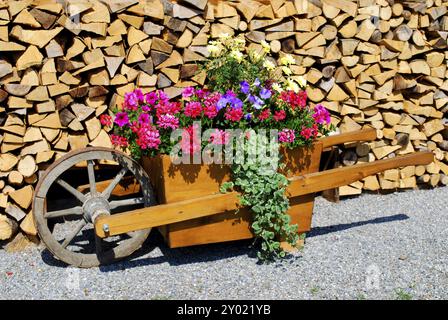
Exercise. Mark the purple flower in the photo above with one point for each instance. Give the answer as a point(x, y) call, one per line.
point(201, 93)
point(245, 87)
point(265, 93)
point(131, 100)
point(257, 82)
point(236, 103)
point(187, 92)
point(321, 115)
point(151, 98)
point(222, 102)
point(121, 119)
point(139, 95)
point(248, 116)
point(143, 118)
point(256, 101)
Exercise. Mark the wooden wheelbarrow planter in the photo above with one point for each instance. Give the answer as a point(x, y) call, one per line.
point(186, 205)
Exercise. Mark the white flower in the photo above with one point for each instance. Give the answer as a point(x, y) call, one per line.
point(287, 60)
point(301, 81)
point(286, 70)
point(266, 46)
point(213, 49)
point(291, 85)
point(237, 55)
point(240, 42)
point(277, 87)
point(268, 65)
point(224, 36)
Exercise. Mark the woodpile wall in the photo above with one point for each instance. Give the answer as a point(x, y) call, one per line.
point(379, 63)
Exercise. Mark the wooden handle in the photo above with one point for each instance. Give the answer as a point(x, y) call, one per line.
point(359, 135)
point(324, 180)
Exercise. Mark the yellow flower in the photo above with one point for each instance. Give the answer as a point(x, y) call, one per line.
point(287, 60)
point(277, 87)
point(301, 81)
point(266, 46)
point(286, 70)
point(237, 55)
point(255, 56)
point(291, 85)
point(268, 65)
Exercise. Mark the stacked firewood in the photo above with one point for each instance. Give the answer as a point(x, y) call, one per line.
point(379, 63)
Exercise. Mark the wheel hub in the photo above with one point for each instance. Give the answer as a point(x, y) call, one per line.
point(94, 207)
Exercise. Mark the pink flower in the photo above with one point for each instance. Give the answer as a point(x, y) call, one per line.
point(210, 111)
point(234, 114)
point(167, 107)
point(302, 96)
point(143, 118)
point(168, 121)
point(308, 133)
point(130, 101)
point(321, 115)
point(279, 115)
point(286, 136)
point(193, 109)
point(146, 108)
point(265, 114)
point(148, 137)
point(121, 119)
point(118, 141)
point(106, 120)
point(187, 92)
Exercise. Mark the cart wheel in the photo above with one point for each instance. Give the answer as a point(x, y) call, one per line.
point(72, 239)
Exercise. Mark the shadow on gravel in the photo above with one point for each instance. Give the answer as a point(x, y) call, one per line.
point(205, 253)
point(319, 231)
point(181, 256)
point(174, 257)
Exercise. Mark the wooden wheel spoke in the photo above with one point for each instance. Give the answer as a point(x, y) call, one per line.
point(72, 190)
point(126, 202)
point(63, 212)
point(91, 172)
point(108, 191)
point(73, 234)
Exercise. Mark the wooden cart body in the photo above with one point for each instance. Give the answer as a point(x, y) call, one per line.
point(175, 183)
point(191, 210)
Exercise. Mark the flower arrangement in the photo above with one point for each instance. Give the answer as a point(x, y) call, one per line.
point(244, 90)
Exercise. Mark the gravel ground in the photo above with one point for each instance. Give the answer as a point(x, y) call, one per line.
point(370, 247)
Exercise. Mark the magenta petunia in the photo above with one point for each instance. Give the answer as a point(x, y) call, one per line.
point(144, 118)
point(321, 115)
point(121, 119)
point(187, 92)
